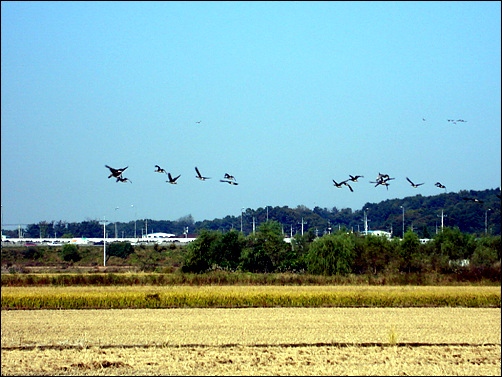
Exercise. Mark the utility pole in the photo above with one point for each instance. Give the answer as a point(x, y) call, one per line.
point(254, 226)
point(442, 219)
point(303, 223)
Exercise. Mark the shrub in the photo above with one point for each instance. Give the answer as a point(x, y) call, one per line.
point(119, 249)
point(70, 253)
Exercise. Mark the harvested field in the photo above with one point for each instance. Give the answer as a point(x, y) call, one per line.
point(252, 341)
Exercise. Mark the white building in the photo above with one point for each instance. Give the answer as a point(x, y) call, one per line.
point(155, 236)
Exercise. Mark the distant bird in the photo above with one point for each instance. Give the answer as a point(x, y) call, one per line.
point(339, 185)
point(159, 169)
point(382, 182)
point(423, 119)
point(171, 179)
point(228, 176)
point(414, 185)
point(455, 121)
point(231, 182)
point(354, 178)
point(199, 176)
point(382, 179)
point(198, 122)
point(116, 172)
point(475, 200)
point(437, 184)
point(121, 179)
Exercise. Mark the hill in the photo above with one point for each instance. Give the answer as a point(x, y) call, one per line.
point(471, 211)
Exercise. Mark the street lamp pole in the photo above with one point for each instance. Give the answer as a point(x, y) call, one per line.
point(486, 220)
point(135, 216)
point(104, 241)
point(116, 208)
point(365, 222)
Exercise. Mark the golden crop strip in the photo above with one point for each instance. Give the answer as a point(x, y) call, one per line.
point(248, 296)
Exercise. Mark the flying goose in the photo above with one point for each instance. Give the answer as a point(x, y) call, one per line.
point(339, 185)
point(121, 179)
point(354, 178)
point(383, 180)
point(414, 185)
point(437, 184)
point(474, 200)
point(383, 177)
point(116, 172)
point(228, 176)
point(231, 182)
point(171, 179)
point(199, 176)
point(159, 169)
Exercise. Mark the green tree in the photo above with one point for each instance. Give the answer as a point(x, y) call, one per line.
point(487, 252)
point(200, 255)
point(410, 251)
point(70, 253)
point(331, 254)
point(119, 249)
point(453, 243)
point(265, 250)
point(227, 250)
point(375, 254)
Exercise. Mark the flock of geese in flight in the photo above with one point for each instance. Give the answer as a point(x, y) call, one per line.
point(117, 173)
point(381, 179)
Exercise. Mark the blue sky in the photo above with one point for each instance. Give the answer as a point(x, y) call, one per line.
point(290, 96)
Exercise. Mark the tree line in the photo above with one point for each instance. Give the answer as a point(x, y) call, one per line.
point(343, 252)
point(423, 214)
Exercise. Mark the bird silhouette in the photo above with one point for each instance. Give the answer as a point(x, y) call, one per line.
point(228, 176)
point(115, 172)
point(121, 179)
point(475, 200)
point(231, 182)
point(340, 184)
point(383, 180)
point(354, 178)
point(437, 184)
point(159, 169)
point(382, 177)
point(199, 176)
point(171, 179)
point(414, 185)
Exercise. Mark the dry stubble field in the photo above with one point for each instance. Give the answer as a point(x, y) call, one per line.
point(252, 341)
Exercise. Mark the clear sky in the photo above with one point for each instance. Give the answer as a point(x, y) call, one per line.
point(290, 96)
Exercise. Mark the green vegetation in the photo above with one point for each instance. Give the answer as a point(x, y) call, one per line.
point(450, 254)
point(421, 212)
